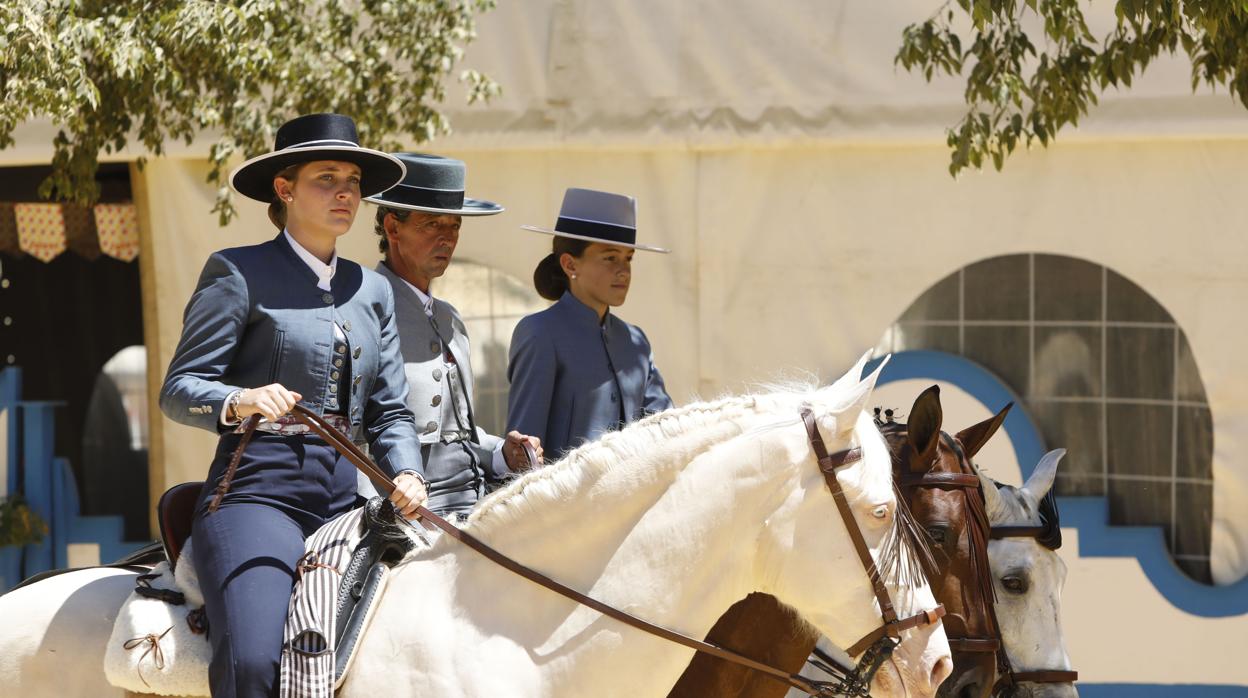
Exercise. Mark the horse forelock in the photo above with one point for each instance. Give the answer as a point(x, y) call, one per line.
point(1020, 510)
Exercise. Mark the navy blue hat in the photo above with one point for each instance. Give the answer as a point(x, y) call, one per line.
point(597, 216)
point(316, 137)
point(433, 184)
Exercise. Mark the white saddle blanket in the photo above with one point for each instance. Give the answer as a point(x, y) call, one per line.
point(152, 648)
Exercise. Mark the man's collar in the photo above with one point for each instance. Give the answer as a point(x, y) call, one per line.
point(426, 300)
point(324, 272)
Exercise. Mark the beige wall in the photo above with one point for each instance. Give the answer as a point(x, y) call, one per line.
point(789, 261)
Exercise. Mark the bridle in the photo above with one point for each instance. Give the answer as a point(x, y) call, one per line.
point(1007, 682)
point(878, 645)
point(875, 647)
point(980, 530)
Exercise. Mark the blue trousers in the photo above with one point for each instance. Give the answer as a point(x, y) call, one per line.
point(246, 552)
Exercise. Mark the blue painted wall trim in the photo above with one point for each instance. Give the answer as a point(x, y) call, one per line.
point(1145, 690)
point(1089, 515)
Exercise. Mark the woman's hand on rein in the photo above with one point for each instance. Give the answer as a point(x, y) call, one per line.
point(409, 493)
point(270, 402)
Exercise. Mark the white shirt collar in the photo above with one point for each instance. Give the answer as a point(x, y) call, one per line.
point(426, 300)
point(324, 272)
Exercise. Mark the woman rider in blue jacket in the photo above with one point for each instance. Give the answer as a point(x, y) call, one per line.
point(268, 326)
point(577, 370)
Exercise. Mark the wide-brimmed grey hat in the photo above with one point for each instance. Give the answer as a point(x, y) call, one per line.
point(433, 184)
point(597, 216)
point(316, 137)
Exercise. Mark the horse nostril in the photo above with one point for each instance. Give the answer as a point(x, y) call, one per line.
point(941, 671)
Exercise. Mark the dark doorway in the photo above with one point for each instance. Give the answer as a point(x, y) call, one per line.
point(61, 322)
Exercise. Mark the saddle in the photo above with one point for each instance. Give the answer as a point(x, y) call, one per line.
point(383, 544)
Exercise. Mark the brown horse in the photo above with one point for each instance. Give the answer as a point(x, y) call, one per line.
point(759, 626)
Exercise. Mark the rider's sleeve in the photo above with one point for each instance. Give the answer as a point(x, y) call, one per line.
point(388, 424)
point(531, 372)
point(212, 324)
point(656, 397)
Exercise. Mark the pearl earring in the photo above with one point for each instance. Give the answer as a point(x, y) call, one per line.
point(574, 276)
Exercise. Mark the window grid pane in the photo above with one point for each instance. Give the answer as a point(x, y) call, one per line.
point(1104, 370)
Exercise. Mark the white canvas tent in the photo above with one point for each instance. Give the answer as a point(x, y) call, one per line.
point(800, 178)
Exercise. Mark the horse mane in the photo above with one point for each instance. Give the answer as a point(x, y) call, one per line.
point(562, 479)
point(684, 433)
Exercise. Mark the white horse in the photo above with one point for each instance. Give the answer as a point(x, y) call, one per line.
point(671, 519)
point(1028, 579)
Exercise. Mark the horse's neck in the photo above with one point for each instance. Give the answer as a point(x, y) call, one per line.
point(673, 545)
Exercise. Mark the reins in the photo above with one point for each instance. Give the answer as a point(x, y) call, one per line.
point(875, 647)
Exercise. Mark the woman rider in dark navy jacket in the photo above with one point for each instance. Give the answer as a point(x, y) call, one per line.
point(577, 370)
point(269, 326)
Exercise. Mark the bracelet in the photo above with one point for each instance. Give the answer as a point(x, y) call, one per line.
point(231, 406)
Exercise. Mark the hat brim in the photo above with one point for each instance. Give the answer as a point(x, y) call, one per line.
point(472, 207)
point(635, 246)
point(378, 171)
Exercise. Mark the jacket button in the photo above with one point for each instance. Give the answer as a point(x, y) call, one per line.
point(431, 427)
point(356, 354)
point(357, 380)
point(341, 349)
point(333, 376)
point(338, 363)
point(435, 347)
point(328, 298)
point(346, 326)
point(437, 400)
point(437, 374)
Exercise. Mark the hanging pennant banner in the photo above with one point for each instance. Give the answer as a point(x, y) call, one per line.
point(40, 230)
point(117, 226)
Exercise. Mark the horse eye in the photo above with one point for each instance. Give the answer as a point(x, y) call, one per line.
point(1014, 585)
point(938, 534)
point(880, 512)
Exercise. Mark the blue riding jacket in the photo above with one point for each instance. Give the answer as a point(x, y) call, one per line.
point(574, 378)
point(257, 317)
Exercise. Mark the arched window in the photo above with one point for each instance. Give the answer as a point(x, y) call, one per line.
point(1103, 369)
point(491, 302)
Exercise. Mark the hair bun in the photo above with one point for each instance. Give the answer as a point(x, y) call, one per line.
point(548, 278)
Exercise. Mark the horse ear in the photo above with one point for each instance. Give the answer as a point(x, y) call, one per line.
point(853, 375)
point(974, 437)
point(1042, 477)
point(923, 428)
point(992, 498)
point(855, 401)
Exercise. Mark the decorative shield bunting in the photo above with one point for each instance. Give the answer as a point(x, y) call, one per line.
point(40, 230)
point(117, 226)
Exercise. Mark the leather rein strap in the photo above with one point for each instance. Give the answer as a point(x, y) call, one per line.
point(828, 463)
point(384, 484)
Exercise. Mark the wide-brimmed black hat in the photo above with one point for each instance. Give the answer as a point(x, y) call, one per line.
point(597, 216)
point(316, 137)
point(433, 184)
